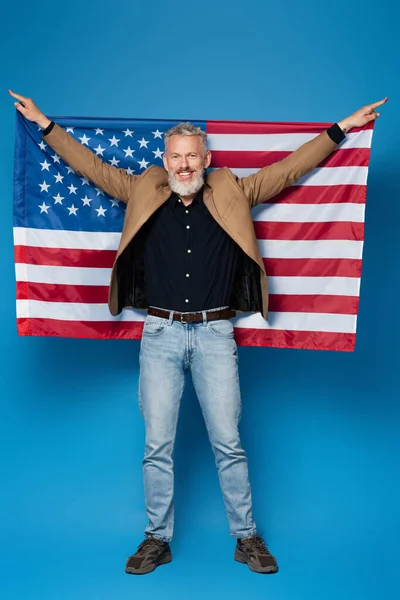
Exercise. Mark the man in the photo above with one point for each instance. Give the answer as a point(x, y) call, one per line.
point(188, 254)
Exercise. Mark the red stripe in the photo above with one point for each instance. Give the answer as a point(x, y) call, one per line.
point(321, 194)
point(242, 127)
point(306, 340)
point(340, 305)
point(66, 257)
point(80, 329)
point(326, 230)
point(348, 157)
point(133, 330)
point(315, 267)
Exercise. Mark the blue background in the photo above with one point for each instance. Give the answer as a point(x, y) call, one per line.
point(321, 429)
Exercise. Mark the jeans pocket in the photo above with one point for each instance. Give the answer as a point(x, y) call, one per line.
point(221, 328)
point(153, 327)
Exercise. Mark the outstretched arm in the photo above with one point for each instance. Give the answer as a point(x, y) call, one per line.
point(270, 180)
point(115, 182)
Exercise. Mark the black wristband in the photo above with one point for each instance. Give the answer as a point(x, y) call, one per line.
point(48, 128)
point(336, 133)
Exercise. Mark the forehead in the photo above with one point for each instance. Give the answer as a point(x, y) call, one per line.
point(184, 143)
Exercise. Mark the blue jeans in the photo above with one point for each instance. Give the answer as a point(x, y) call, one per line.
point(208, 350)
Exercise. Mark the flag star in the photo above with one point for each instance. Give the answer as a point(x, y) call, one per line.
point(45, 165)
point(85, 139)
point(99, 131)
point(44, 187)
point(70, 170)
point(157, 153)
point(59, 178)
point(114, 161)
point(114, 141)
point(99, 150)
point(58, 199)
point(85, 181)
point(56, 158)
point(143, 164)
point(143, 143)
point(72, 210)
point(101, 212)
point(130, 171)
point(99, 192)
point(70, 129)
point(157, 134)
point(86, 201)
point(72, 189)
point(42, 145)
point(114, 202)
point(128, 152)
point(44, 208)
point(128, 132)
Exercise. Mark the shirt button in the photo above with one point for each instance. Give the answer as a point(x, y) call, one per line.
point(189, 251)
point(187, 275)
point(187, 226)
point(187, 212)
point(186, 300)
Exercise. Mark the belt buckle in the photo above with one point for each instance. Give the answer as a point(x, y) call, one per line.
point(181, 319)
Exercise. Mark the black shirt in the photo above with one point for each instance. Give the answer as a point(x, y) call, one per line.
point(189, 260)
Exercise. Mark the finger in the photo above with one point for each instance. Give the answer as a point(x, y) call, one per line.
point(379, 103)
point(20, 107)
point(17, 96)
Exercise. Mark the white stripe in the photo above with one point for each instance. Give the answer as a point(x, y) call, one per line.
point(36, 309)
point(309, 213)
point(300, 322)
point(58, 238)
point(310, 249)
point(323, 176)
point(347, 286)
point(283, 142)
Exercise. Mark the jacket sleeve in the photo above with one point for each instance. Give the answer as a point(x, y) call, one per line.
point(115, 182)
point(270, 180)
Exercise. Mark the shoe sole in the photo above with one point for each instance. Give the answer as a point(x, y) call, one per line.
point(242, 558)
point(131, 571)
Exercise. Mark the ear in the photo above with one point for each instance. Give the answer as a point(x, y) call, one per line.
point(207, 159)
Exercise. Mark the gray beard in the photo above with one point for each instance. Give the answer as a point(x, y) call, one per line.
point(186, 189)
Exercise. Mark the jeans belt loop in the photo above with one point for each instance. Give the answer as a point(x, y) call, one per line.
point(204, 318)
point(171, 316)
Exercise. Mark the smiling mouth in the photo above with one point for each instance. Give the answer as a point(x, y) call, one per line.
point(185, 174)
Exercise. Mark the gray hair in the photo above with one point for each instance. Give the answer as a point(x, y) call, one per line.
point(186, 129)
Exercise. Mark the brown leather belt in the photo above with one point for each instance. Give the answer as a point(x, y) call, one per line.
point(195, 317)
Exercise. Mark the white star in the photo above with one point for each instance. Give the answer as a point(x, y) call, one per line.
point(143, 164)
point(85, 139)
point(101, 212)
point(130, 171)
point(114, 141)
point(143, 142)
point(157, 134)
point(42, 145)
point(99, 150)
point(69, 170)
point(99, 131)
point(58, 199)
point(86, 201)
point(99, 192)
point(84, 181)
point(72, 189)
point(114, 161)
point(44, 208)
point(128, 132)
point(44, 187)
point(72, 210)
point(45, 165)
point(114, 202)
point(157, 153)
point(70, 130)
point(56, 158)
point(59, 178)
point(128, 152)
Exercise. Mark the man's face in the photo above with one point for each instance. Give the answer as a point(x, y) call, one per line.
point(185, 161)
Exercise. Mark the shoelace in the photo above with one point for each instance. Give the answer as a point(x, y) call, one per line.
point(256, 543)
point(148, 545)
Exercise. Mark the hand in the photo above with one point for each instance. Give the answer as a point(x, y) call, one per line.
point(362, 116)
point(28, 108)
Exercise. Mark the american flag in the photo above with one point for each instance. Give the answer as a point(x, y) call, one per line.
point(66, 231)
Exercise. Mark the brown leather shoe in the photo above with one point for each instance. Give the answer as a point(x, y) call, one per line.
point(254, 552)
point(150, 554)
